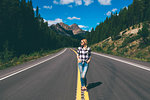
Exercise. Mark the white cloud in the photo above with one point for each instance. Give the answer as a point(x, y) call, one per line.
point(88, 2)
point(108, 13)
point(90, 29)
point(48, 7)
point(82, 26)
point(114, 10)
point(98, 23)
point(78, 2)
point(70, 6)
point(35, 9)
point(66, 1)
point(72, 18)
point(105, 2)
point(50, 22)
point(55, 2)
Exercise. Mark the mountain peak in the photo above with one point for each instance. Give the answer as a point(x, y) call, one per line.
point(61, 23)
point(74, 24)
point(74, 28)
point(65, 26)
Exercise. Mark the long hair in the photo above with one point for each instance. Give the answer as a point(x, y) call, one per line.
point(85, 41)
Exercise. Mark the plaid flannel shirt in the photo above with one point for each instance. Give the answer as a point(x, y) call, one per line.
point(84, 54)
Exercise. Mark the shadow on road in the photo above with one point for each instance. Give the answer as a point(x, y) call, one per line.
point(93, 85)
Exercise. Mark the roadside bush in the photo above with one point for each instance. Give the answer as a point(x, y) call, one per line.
point(132, 46)
point(139, 25)
point(128, 28)
point(109, 51)
point(125, 50)
point(116, 37)
point(6, 55)
point(98, 48)
point(140, 55)
point(111, 47)
point(104, 44)
point(144, 33)
point(148, 59)
point(13, 61)
point(124, 32)
point(129, 40)
point(149, 49)
point(133, 27)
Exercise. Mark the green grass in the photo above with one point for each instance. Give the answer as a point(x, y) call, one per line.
point(140, 56)
point(24, 58)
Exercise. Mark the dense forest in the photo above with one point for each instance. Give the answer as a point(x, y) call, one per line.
point(23, 31)
point(138, 11)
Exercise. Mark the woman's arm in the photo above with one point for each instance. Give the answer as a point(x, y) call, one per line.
point(89, 55)
point(89, 60)
point(78, 52)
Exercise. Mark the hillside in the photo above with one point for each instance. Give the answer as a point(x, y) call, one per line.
point(137, 12)
point(131, 43)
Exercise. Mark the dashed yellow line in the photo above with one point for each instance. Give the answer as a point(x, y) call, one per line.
point(86, 95)
point(74, 51)
point(78, 92)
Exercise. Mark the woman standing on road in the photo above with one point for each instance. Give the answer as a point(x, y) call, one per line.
point(84, 57)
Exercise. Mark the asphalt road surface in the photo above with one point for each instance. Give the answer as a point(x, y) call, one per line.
point(56, 79)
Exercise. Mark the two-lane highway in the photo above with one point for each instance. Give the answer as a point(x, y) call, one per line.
point(52, 80)
point(114, 80)
point(56, 79)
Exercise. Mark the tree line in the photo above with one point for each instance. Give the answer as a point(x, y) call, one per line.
point(23, 31)
point(138, 11)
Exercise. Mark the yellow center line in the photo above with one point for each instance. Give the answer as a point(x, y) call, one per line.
point(78, 93)
point(86, 95)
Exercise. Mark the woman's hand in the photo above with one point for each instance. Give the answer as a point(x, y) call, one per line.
point(79, 61)
point(88, 61)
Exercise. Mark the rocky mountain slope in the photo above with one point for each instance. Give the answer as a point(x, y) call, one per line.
point(65, 29)
point(60, 30)
point(76, 29)
point(128, 44)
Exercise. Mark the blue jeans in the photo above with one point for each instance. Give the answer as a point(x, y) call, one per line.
point(83, 67)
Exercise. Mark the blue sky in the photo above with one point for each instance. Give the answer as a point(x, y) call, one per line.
point(85, 13)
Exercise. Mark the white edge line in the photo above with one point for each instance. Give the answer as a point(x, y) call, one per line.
point(32, 65)
point(123, 61)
